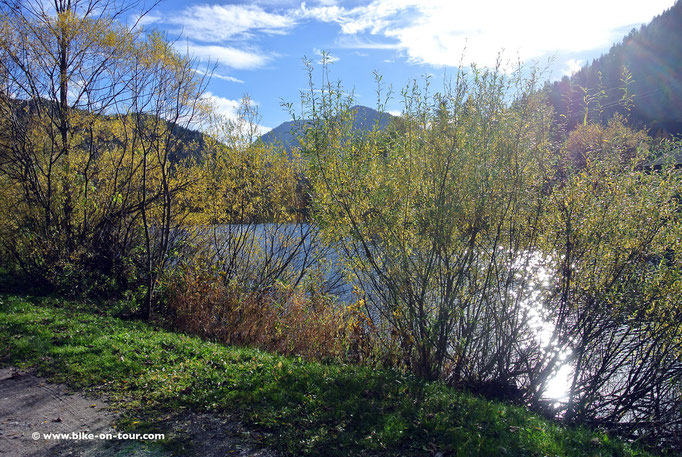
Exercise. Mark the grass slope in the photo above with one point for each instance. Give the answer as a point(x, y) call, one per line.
point(305, 408)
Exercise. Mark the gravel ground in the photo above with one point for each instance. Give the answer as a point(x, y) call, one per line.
point(30, 406)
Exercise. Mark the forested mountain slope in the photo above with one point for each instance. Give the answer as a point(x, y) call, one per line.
point(653, 57)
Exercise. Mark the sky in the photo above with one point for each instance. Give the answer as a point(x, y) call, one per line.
point(258, 46)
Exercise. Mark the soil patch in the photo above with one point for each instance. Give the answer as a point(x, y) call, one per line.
point(31, 407)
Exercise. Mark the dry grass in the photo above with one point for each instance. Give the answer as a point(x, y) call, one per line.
point(281, 319)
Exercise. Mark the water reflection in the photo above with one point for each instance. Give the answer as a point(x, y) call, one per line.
point(296, 253)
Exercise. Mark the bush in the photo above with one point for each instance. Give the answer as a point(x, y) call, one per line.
point(282, 319)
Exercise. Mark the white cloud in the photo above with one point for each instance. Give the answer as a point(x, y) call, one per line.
point(223, 106)
point(322, 13)
point(330, 58)
point(222, 32)
point(229, 56)
point(231, 79)
point(438, 32)
point(434, 32)
point(572, 66)
point(218, 23)
point(228, 109)
point(142, 21)
point(375, 17)
point(216, 75)
point(356, 42)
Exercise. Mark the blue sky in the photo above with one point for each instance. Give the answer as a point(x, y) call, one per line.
point(259, 45)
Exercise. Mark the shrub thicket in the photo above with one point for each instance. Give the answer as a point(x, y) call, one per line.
point(498, 255)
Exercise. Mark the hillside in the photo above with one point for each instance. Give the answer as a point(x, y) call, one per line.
point(364, 120)
point(652, 54)
point(184, 142)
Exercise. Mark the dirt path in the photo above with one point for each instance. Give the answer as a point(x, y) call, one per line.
point(30, 405)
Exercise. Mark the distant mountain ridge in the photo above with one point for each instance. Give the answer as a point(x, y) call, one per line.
point(364, 120)
point(187, 142)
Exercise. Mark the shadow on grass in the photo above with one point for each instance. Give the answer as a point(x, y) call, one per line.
point(301, 408)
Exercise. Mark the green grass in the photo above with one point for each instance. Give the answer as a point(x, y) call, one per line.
point(305, 408)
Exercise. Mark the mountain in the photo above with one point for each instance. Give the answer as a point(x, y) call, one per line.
point(184, 141)
point(364, 120)
point(653, 55)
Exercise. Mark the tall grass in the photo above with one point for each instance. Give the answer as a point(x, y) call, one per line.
point(286, 320)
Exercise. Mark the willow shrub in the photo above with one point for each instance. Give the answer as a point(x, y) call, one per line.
point(493, 256)
point(439, 216)
point(91, 114)
point(611, 247)
point(257, 274)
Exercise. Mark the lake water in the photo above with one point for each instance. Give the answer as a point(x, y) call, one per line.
point(307, 258)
